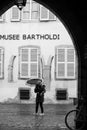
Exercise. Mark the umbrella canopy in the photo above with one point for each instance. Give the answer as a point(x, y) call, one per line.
point(33, 81)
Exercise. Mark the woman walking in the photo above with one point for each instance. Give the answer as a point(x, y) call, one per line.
point(39, 90)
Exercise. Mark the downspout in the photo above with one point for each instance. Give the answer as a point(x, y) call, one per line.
point(49, 63)
point(10, 68)
point(42, 66)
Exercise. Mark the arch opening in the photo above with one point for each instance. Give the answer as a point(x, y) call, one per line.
point(44, 49)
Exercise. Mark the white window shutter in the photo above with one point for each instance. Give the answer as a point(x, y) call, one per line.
point(29, 62)
point(70, 55)
point(44, 13)
point(61, 55)
point(1, 63)
point(34, 53)
point(71, 63)
point(70, 70)
point(61, 70)
point(33, 70)
point(65, 63)
point(24, 69)
point(15, 14)
point(60, 63)
point(34, 62)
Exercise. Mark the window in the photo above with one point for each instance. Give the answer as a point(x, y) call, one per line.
point(29, 12)
point(26, 11)
point(32, 11)
point(65, 63)
point(45, 14)
point(29, 62)
point(15, 14)
point(1, 63)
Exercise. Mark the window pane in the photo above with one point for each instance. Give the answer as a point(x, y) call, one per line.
point(61, 55)
point(26, 15)
point(34, 6)
point(70, 69)
point(24, 54)
point(44, 13)
point(24, 69)
point(33, 69)
point(26, 12)
point(34, 15)
point(15, 13)
point(51, 16)
point(33, 54)
point(61, 70)
point(70, 55)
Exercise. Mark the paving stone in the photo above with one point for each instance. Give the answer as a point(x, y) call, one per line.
point(21, 117)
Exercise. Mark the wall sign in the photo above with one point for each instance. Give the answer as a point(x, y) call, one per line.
point(29, 36)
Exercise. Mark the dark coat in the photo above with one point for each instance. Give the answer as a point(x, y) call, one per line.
point(40, 90)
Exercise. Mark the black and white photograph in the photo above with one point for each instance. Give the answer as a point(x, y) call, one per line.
point(43, 65)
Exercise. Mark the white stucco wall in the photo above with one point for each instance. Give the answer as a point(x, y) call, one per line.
point(10, 90)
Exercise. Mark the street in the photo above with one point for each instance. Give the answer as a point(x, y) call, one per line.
point(21, 117)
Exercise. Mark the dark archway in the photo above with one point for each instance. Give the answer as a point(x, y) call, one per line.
point(73, 14)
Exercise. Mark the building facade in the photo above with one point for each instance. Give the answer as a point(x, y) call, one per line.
point(34, 43)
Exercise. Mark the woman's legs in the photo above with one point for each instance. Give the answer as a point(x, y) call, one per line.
point(41, 106)
point(37, 105)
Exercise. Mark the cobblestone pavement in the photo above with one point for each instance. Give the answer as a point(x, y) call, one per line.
point(21, 117)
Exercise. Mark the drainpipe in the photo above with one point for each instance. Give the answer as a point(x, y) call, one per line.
point(10, 68)
point(42, 65)
point(49, 63)
point(46, 72)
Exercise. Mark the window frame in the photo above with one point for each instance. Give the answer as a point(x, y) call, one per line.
point(26, 20)
point(29, 63)
point(44, 19)
point(19, 14)
point(30, 10)
point(48, 13)
point(38, 6)
point(65, 47)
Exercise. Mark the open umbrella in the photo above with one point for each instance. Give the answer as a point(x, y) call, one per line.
point(33, 81)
